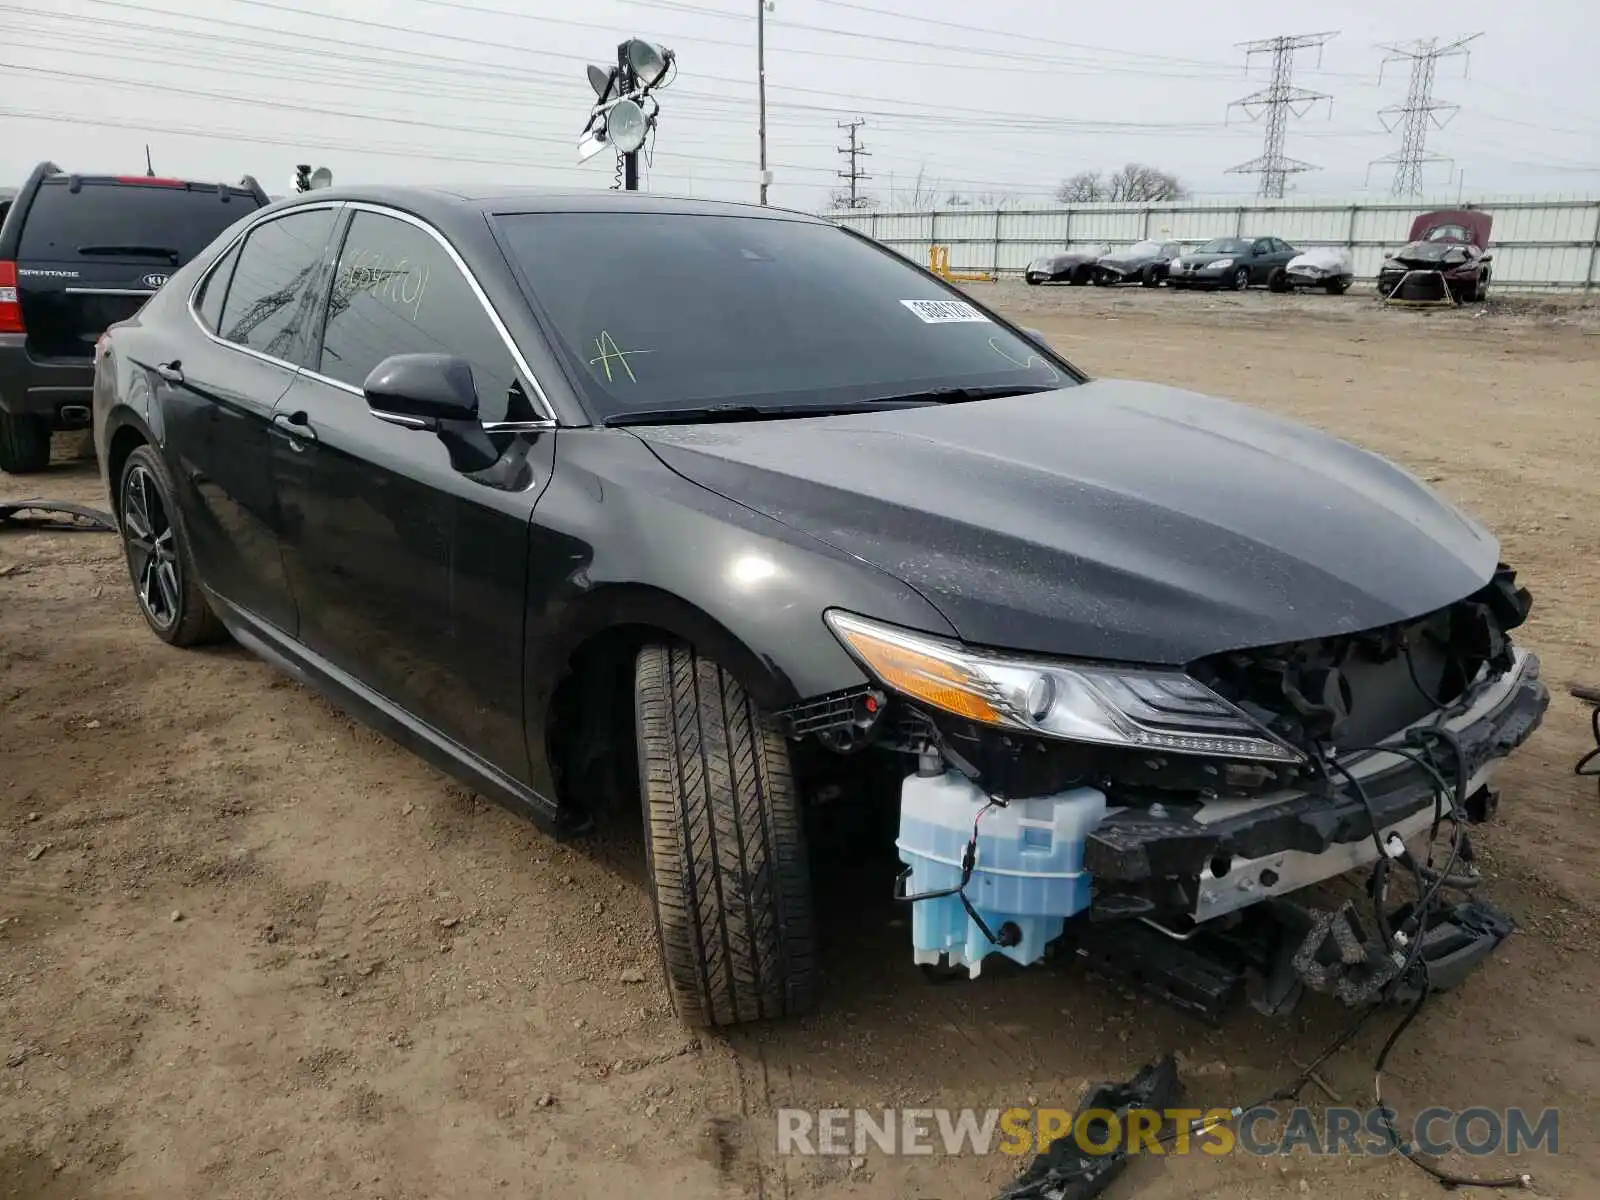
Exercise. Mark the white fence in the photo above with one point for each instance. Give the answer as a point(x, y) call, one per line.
point(1537, 243)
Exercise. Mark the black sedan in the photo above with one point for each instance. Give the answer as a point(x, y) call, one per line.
point(1143, 262)
point(616, 503)
point(1070, 266)
point(1235, 263)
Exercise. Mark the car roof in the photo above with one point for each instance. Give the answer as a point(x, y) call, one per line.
point(447, 205)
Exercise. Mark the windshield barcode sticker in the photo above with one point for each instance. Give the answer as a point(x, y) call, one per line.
point(943, 312)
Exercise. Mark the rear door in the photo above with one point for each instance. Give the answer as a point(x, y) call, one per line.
point(91, 252)
point(218, 389)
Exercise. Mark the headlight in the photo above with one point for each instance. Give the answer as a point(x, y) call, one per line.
point(1149, 709)
point(1222, 264)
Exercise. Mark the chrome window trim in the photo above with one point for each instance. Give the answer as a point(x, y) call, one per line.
point(194, 313)
point(542, 400)
point(88, 291)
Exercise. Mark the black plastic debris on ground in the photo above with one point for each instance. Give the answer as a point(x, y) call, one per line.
point(49, 514)
point(1065, 1171)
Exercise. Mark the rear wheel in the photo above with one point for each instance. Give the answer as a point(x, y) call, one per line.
point(1240, 279)
point(1081, 276)
point(1149, 277)
point(24, 443)
point(726, 849)
point(159, 562)
point(1337, 287)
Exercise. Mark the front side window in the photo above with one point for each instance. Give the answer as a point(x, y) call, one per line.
point(396, 291)
point(273, 281)
point(661, 311)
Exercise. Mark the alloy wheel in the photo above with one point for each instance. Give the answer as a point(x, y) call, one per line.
point(152, 548)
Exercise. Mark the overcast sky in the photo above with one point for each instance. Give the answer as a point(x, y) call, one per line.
point(1003, 96)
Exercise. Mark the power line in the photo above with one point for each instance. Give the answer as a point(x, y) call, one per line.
point(1277, 100)
point(856, 174)
point(1419, 111)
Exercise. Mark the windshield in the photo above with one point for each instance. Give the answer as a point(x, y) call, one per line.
point(1225, 246)
point(655, 311)
point(1449, 233)
point(1144, 249)
point(1435, 252)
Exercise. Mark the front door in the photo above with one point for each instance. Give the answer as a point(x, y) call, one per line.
point(409, 575)
point(218, 393)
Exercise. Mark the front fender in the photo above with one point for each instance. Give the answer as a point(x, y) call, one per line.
point(618, 540)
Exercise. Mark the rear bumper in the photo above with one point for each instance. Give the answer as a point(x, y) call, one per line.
point(1229, 854)
point(44, 387)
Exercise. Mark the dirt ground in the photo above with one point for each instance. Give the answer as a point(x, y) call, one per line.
point(249, 949)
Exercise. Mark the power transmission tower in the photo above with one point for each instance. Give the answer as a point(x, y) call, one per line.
point(856, 152)
point(1277, 100)
point(1419, 111)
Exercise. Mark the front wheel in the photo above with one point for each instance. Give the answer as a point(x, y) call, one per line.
point(1241, 279)
point(1033, 280)
point(159, 561)
point(1337, 287)
point(723, 837)
point(24, 443)
point(1150, 277)
point(1278, 281)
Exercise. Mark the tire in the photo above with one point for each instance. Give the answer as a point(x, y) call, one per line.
point(1081, 276)
point(1100, 279)
point(1033, 280)
point(725, 846)
point(1149, 278)
point(1240, 279)
point(1278, 281)
point(24, 443)
point(1337, 287)
point(159, 561)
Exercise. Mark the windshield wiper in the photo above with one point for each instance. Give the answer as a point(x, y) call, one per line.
point(729, 412)
point(132, 251)
point(960, 395)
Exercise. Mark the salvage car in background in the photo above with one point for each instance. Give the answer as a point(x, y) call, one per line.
point(788, 516)
point(78, 252)
point(1330, 268)
point(1069, 266)
point(1232, 262)
point(1449, 244)
point(1143, 262)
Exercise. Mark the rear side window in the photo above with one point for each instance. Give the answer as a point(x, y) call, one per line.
point(396, 291)
point(214, 290)
point(126, 221)
point(273, 279)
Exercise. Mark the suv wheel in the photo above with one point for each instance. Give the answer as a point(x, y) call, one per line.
point(24, 443)
point(724, 842)
point(159, 562)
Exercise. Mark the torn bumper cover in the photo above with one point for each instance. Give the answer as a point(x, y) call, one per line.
point(1208, 860)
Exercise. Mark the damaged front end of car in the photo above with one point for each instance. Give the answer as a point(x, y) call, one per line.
point(1171, 825)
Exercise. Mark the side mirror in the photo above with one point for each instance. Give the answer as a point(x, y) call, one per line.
point(1036, 335)
point(1486, 258)
point(433, 392)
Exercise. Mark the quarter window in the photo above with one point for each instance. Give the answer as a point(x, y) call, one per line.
point(215, 290)
point(274, 280)
point(396, 291)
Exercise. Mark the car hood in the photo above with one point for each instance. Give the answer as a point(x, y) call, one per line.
point(1111, 520)
point(1054, 261)
point(1435, 254)
point(1475, 220)
point(1205, 260)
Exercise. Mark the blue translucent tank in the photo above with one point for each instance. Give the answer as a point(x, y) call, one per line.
point(1029, 870)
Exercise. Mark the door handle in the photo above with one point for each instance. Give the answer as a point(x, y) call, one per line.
point(172, 372)
point(297, 425)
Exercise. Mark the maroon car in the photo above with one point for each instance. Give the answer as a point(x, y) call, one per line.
point(1449, 243)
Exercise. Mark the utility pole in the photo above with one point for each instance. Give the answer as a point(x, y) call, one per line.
point(855, 151)
point(761, 87)
point(1277, 100)
point(1420, 109)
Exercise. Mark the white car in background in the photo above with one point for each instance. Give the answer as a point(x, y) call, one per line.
point(1329, 268)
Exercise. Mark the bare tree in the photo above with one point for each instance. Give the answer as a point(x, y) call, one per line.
point(1136, 182)
point(921, 193)
point(1083, 188)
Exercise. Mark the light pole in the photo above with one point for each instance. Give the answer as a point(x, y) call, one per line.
point(761, 88)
